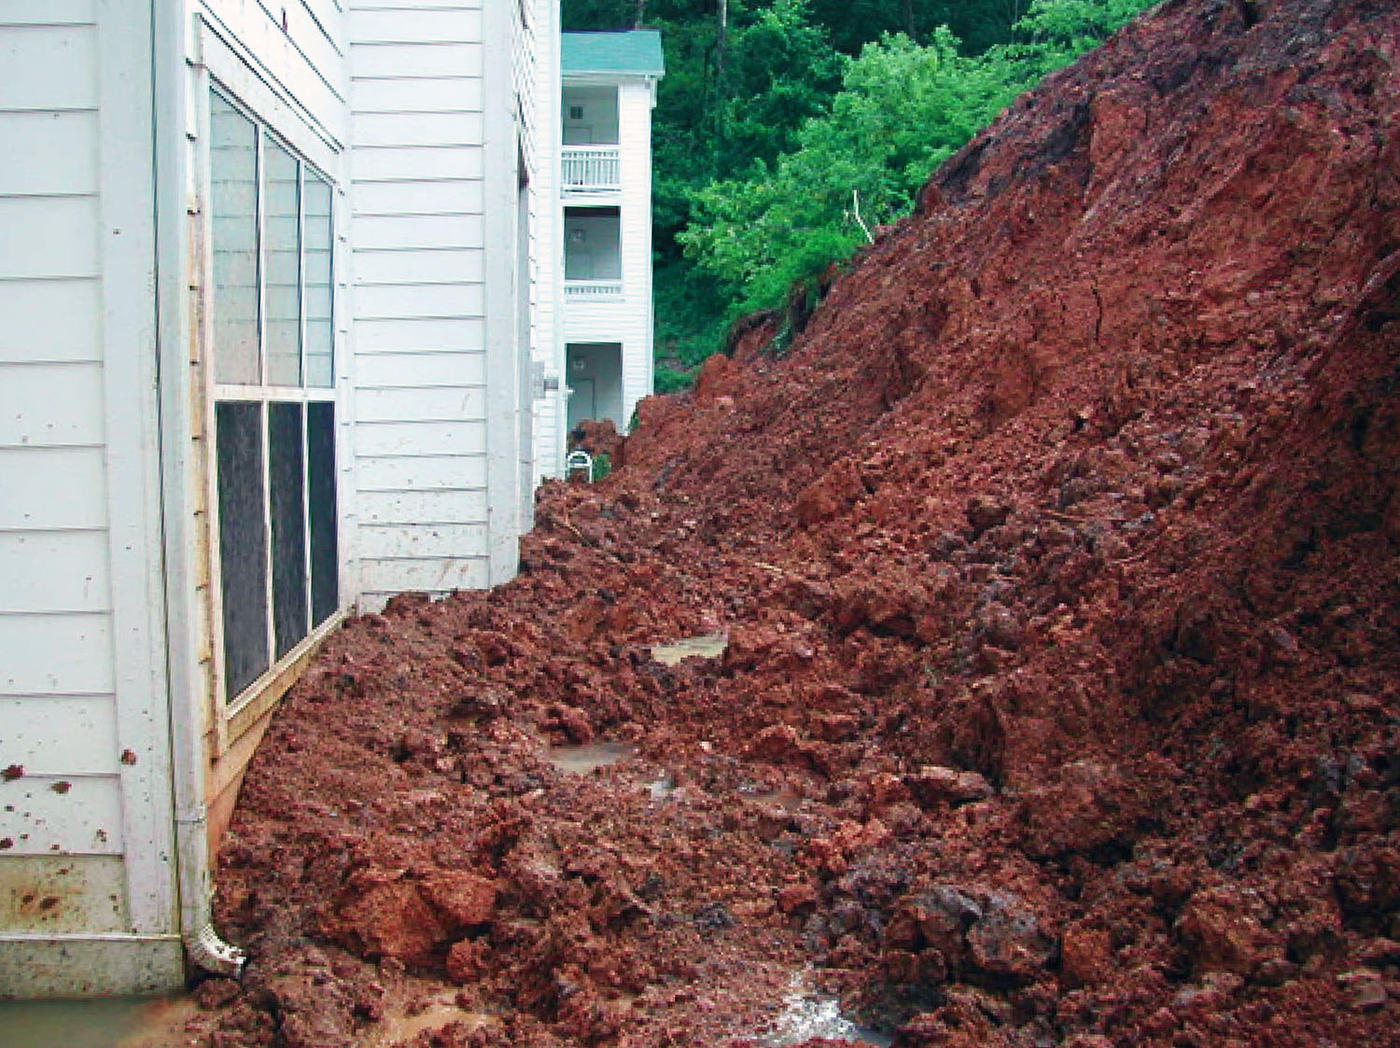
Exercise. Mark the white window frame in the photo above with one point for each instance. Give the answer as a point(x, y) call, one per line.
point(229, 73)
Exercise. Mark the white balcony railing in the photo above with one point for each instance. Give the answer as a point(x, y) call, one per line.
point(593, 290)
point(591, 169)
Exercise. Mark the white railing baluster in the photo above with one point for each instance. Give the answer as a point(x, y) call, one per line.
point(595, 290)
point(591, 169)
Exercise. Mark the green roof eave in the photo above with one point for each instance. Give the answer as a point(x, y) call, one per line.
point(634, 53)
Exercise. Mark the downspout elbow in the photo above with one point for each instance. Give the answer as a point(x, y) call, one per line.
point(210, 953)
point(204, 947)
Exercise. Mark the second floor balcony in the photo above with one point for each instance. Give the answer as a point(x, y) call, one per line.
point(593, 254)
point(591, 169)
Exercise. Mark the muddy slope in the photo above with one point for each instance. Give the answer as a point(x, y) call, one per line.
point(1058, 564)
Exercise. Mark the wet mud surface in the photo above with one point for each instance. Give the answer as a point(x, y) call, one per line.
point(1056, 564)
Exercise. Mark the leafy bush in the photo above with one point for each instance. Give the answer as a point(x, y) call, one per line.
point(668, 380)
point(691, 316)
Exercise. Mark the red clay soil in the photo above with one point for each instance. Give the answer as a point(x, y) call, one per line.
point(1058, 561)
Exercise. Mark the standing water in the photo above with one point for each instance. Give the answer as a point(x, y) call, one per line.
point(706, 647)
point(580, 760)
point(98, 1023)
point(809, 1015)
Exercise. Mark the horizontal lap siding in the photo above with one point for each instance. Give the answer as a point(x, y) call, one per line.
point(383, 508)
point(62, 735)
point(418, 248)
point(307, 57)
point(27, 560)
point(384, 578)
point(425, 403)
point(376, 301)
point(50, 320)
point(77, 815)
point(547, 345)
point(30, 415)
point(64, 894)
point(634, 116)
point(58, 719)
point(427, 196)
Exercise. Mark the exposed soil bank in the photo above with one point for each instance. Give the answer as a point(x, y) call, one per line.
point(1058, 565)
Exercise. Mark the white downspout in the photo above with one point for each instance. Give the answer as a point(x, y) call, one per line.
point(188, 708)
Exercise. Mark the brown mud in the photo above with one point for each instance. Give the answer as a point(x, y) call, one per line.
point(1058, 566)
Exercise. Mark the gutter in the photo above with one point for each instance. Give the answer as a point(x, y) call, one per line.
point(187, 706)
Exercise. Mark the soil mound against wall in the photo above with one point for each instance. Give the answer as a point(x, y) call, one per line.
point(1050, 582)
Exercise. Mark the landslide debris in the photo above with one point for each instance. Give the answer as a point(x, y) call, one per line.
point(1058, 565)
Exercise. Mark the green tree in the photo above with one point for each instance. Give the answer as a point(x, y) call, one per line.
point(781, 70)
point(979, 24)
point(904, 108)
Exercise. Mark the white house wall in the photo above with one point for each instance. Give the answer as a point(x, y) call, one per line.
point(417, 101)
point(628, 321)
point(546, 249)
point(108, 611)
point(85, 815)
point(635, 101)
point(436, 332)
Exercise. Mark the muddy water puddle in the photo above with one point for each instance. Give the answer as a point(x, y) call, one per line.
point(709, 646)
point(433, 1016)
point(807, 1015)
point(661, 789)
point(785, 798)
point(98, 1023)
point(583, 760)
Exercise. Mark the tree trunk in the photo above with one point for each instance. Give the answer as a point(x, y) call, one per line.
point(721, 53)
point(722, 38)
point(641, 14)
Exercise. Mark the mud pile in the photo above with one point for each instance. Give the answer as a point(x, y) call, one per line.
point(1057, 562)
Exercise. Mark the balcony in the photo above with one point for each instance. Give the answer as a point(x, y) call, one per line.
point(592, 254)
point(591, 169)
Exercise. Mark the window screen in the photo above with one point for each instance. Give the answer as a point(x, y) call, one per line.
point(242, 543)
point(317, 242)
point(285, 472)
point(271, 339)
point(281, 201)
point(233, 205)
point(320, 475)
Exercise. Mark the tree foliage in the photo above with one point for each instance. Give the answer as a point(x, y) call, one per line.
point(776, 117)
point(904, 108)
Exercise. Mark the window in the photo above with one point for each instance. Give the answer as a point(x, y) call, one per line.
point(271, 340)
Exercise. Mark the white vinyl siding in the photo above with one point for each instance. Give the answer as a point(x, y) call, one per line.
point(55, 605)
point(626, 320)
point(49, 320)
point(545, 290)
point(27, 560)
point(81, 654)
point(418, 234)
point(307, 58)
